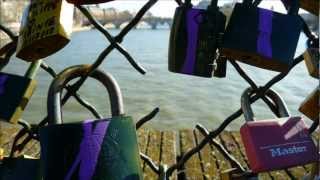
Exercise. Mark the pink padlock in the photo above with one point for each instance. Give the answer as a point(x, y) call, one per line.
point(275, 143)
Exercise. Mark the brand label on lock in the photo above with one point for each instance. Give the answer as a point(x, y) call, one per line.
point(45, 29)
point(277, 144)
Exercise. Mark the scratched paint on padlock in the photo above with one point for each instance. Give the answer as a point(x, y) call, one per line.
point(45, 28)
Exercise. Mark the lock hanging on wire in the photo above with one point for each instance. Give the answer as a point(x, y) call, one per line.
point(261, 37)
point(94, 149)
point(45, 29)
point(195, 37)
point(310, 106)
point(275, 143)
point(81, 2)
point(15, 92)
point(311, 57)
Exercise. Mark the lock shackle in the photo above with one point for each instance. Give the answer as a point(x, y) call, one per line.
point(313, 42)
point(272, 94)
point(63, 78)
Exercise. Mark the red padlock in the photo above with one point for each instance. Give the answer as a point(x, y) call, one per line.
point(275, 143)
point(80, 2)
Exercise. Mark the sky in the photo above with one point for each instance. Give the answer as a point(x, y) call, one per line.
point(165, 8)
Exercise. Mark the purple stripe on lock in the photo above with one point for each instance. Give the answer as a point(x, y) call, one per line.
point(194, 16)
point(3, 80)
point(89, 151)
point(264, 46)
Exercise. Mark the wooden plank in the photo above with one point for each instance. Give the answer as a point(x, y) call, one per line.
point(236, 136)
point(192, 167)
point(153, 151)
point(232, 146)
point(142, 141)
point(168, 150)
point(208, 161)
point(297, 172)
point(222, 163)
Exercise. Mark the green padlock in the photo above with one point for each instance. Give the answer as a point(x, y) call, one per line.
point(94, 149)
point(45, 29)
point(15, 92)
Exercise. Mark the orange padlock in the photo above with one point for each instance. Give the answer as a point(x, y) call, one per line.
point(310, 106)
point(45, 29)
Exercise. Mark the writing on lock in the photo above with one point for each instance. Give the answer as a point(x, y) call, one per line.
point(282, 151)
point(40, 26)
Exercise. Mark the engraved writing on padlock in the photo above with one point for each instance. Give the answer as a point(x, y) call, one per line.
point(24, 167)
point(275, 143)
point(93, 149)
point(15, 92)
point(311, 58)
point(310, 106)
point(45, 29)
point(194, 40)
point(80, 2)
point(262, 37)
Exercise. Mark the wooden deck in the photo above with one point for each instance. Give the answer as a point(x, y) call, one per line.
point(167, 146)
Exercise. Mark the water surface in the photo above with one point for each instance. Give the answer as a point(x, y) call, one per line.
point(183, 100)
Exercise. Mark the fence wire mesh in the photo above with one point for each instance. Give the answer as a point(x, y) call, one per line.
point(29, 132)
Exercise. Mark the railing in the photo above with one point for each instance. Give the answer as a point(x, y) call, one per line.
point(164, 171)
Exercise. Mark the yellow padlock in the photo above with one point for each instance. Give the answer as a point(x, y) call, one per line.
point(45, 29)
point(310, 106)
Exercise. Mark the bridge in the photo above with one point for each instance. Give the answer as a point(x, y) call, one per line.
point(117, 19)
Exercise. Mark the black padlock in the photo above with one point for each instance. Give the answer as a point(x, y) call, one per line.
point(262, 37)
point(94, 149)
point(195, 37)
point(311, 57)
point(15, 92)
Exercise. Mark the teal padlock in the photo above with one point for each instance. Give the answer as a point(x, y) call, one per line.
point(93, 149)
point(15, 93)
point(20, 168)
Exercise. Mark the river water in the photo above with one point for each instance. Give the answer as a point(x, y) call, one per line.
point(183, 100)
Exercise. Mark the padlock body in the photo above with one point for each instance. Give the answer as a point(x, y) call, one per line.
point(20, 169)
point(97, 150)
point(261, 37)
point(15, 93)
point(278, 144)
point(311, 58)
point(310, 106)
point(81, 2)
point(45, 29)
point(194, 40)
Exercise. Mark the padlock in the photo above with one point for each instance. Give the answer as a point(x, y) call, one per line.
point(22, 167)
point(262, 37)
point(310, 107)
point(81, 2)
point(93, 149)
point(275, 143)
point(15, 93)
point(45, 29)
point(311, 57)
point(311, 6)
point(194, 39)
